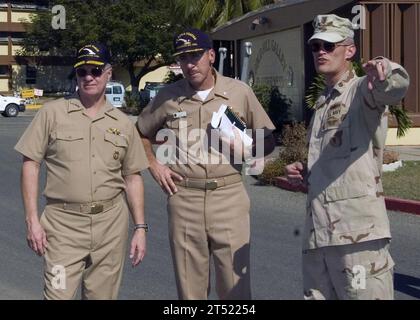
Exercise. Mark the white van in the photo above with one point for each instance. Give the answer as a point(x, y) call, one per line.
point(115, 93)
point(11, 106)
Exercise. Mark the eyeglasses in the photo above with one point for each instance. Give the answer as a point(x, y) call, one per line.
point(189, 57)
point(94, 72)
point(324, 45)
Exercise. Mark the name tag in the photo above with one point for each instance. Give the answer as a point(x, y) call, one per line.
point(178, 115)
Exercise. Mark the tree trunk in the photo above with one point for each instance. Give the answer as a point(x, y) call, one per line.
point(133, 79)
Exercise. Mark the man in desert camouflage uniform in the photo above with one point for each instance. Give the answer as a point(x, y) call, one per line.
point(347, 234)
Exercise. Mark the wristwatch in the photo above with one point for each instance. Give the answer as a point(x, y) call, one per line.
point(144, 226)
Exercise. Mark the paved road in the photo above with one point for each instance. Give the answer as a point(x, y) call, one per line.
point(277, 217)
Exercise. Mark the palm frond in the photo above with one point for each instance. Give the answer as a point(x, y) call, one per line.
point(315, 90)
point(403, 120)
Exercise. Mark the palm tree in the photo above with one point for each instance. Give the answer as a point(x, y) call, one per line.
point(208, 14)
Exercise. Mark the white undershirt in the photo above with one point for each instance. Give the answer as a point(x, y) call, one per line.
point(204, 94)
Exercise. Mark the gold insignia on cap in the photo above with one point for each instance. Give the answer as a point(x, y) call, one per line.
point(116, 155)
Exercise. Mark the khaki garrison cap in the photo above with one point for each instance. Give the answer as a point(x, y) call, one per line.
point(332, 28)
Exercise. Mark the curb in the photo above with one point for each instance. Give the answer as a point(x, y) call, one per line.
point(395, 204)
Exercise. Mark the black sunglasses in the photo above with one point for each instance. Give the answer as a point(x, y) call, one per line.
point(95, 72)
point(190, 56)
point(324, 45)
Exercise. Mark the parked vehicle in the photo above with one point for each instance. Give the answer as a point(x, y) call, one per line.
point(115, 93)
point(11, 106)
point(150, 91)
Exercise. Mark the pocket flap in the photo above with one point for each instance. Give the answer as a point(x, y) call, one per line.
point(69, 135)
point(376, 265)
point(116, 140)
point(355, 190)
point(178, 123)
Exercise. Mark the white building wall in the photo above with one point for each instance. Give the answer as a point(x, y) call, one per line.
point(277, 60)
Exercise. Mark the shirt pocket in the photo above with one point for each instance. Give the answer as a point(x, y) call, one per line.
point(180, 123)
point(344, 192)
point(178, 131)
point(336, 141)
point(69, 145)
point(115, 147)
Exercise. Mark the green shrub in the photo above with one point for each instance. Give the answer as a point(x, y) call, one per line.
point(294, 143)
point(132, 103)
point(273, 168)
point(294, 148)
point(172, 77)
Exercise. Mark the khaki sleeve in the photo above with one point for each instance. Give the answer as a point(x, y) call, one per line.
point(33, 143)
point(388, 92)
point(135, 159)
point(257, 118)
point(152, 118)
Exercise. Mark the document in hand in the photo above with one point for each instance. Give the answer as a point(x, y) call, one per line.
point(227, 121)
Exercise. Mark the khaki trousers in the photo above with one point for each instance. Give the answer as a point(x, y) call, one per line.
point(361, 271)
point(87, 249)
point(210, 222)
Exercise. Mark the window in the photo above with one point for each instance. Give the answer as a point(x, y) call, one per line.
point(108, 90)
point(4, 70)
point(30, 75)
point(116, 90)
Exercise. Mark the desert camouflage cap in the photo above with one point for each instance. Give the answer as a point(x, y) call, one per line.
point(332, 28)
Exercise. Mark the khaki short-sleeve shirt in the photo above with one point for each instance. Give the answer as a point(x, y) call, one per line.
point(86, 159)
point(180, 110)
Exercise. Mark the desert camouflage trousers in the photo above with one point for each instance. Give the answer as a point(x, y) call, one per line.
point(361, 271)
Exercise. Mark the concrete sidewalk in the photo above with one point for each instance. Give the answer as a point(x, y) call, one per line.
point(407, 153)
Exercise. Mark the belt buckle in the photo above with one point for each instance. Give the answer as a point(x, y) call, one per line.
point(96, 208)
point(211, 185)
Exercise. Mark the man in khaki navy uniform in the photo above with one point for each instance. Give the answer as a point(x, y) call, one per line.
point(93, 153)
point(208, 204)
point(345, 253)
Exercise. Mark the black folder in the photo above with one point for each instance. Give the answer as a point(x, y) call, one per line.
point(234, 118)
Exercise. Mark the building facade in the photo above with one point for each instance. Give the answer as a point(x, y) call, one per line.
point(19, 72)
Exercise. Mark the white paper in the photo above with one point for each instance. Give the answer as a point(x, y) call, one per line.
point(221, 121)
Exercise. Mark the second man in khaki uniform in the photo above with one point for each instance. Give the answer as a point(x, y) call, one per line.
point(208, 204)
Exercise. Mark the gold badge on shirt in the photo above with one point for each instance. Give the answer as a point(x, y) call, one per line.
point(116, 155)
point(114, 131)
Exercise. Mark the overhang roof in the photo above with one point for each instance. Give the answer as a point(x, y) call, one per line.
point(281, 15)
